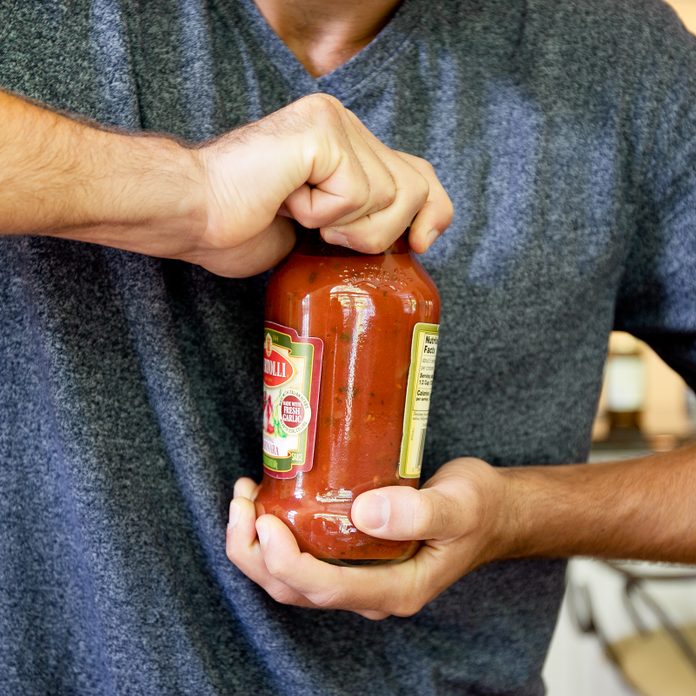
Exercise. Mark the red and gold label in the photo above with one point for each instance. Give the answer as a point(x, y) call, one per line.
point(291, 376)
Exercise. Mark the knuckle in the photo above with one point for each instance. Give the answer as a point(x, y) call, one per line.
point(311, 220)
point(425, 517)
point(423, 190)
point(426, 167)
point(373, 245)
point(281, 594)
point(418, 189)
point(244, 488)
point(275, 569)
point(385, 197)
point(320, 105)
point(380, 616)
point(232, 552)
point(325, 98)
point(357, 195)
point(327, 599)
point(374, 615)
point(407, 607)
point(353, 117)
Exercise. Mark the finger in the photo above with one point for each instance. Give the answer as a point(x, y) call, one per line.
point(245, 488)
point(425, 230)
point(376, 590)
point(404, 513)
point(243, 550)
point(242, 535)
point(341, 193)
point(380, 178)
point(376, 232)
point(345, 179)
point(360, 185)
point(436, 214)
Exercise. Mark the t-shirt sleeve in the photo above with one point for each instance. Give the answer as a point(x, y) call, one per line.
point(657, 295)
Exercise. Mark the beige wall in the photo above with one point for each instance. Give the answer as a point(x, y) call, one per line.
point(687, 11)
point(664, 397)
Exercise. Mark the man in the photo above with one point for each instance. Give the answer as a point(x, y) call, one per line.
point(565, 134)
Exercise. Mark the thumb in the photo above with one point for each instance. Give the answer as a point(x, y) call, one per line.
point(404, 513)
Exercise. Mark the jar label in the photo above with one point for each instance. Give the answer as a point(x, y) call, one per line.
point(291, 376)
point(418, 390)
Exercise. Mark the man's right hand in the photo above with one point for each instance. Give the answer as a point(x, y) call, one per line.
point(316, 162)
point(223, 205)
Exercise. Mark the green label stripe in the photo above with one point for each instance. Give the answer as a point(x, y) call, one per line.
point(298, 351)
point(305, 353)
point(280, 464)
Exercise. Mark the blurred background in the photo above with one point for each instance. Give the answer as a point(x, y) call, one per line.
point(629, 629)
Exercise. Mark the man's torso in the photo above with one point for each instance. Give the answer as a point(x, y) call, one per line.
point(131, 385)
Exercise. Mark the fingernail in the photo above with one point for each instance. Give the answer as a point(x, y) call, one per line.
point(262, 533)
point(335, 237)
point(234, 515)
point(376, 511)
point(431, 237)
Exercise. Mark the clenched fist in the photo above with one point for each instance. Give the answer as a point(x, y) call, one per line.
point(313, 161)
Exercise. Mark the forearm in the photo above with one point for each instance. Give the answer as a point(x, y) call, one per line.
point(217, 205)
point(62, 177)
point(641, 508)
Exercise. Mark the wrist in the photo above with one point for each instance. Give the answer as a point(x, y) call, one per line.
point(561, 511)
point(494, 509)
point(513, 522)
point(148, 196)
point(506, 523)
point(179, 205)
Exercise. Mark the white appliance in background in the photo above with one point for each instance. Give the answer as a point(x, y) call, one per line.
point(576, 664)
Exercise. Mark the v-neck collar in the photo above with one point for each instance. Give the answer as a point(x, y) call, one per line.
point(348, 77)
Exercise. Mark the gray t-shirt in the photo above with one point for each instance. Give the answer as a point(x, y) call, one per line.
point(565, 132)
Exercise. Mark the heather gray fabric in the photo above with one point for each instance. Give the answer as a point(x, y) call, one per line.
point(565, 132)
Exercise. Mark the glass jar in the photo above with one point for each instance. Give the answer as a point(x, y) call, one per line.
point(349, 353)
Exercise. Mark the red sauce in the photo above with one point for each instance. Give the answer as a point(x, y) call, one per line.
point(363, 308)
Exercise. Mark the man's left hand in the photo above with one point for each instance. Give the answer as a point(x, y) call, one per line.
point(459, 514)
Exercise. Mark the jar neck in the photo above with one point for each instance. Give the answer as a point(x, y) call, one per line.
point(310, 243)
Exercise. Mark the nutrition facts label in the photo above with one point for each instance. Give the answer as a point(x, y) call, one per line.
point(420, 386)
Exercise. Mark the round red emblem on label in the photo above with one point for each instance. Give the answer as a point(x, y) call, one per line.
point(294, 411)
point(291, 411)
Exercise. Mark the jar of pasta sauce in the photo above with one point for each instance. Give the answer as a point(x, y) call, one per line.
point(349, 352)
